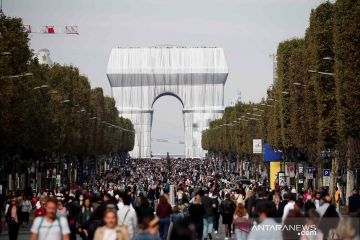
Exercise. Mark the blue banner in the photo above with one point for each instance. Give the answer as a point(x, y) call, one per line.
point(270, 155)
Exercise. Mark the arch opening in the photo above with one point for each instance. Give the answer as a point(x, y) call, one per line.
point(168, 94)
point(167, 131)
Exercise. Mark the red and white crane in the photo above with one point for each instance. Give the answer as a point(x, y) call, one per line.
point(50, 29)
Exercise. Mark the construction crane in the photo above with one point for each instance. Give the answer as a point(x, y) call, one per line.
point(52, 29)
point(49, 29)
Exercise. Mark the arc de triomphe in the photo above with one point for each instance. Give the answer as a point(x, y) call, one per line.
point(194, 75)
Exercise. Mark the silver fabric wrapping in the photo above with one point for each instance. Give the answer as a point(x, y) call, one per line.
point(195, 75)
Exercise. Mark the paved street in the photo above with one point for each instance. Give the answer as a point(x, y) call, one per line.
point(25, 234)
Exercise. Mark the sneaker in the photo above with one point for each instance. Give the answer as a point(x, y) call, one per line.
point(210, 237)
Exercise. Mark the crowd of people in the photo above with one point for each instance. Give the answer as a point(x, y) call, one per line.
point(179, 199)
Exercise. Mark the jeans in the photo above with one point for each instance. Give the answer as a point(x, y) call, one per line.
point(199, 230)
point(208, 226)
point(164, 227)
point(216, 221)
point(240, 235)
point(13, 231)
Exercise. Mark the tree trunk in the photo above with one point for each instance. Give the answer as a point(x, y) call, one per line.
point(350, 159)
point(349, 184)
point(319, 174)
point(334, 173)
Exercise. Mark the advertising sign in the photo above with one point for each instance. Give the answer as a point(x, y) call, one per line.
point(290, 169)
point(275, 167)
point(257, 146)
point(300, 169)
point(282, 179)
point(309, 173)
point(326, 177)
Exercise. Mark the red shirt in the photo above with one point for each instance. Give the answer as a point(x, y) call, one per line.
point(39, 213)
point(163, 210)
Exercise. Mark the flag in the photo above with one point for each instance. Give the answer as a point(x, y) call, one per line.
point(50, 30)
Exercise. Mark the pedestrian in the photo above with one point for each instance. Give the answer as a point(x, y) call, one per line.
point(176, 215)
point(241, 222)
point(50, 227)
point(127, 215)
point(182, 230)
point(196, 212)
point(149, 228)
point(266, 215)
point(216, 201)
point(312, 222)
point(25, 210)
point(84, 218)
point(337, 198)
point(40, 209)
point(111, 230)
point(163, 211)
point(354, 203)
point(61, 209)
point(329, 217)
point(13, 219)
point(208, 218)
point(73, 209)
point(227, 208)
point(289, 206)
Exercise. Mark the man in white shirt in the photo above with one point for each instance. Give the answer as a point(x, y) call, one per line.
point(49, 226)
point(268, 228)
point(289, 206)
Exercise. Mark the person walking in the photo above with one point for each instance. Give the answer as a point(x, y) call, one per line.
point(111, 230)
point(337, 198)
point(84, 218)
point(354, 203)
point(127, 215)
point(266, 214)
point(50, 227)
point(217, 201)
point(241, 222)
point(163, 211)
point(196, 213)
point(149, 227)
point(227, 208)
point(25, 211)
point(289, 206)
point(40, 209)
point(13, 219)
point(208, 218)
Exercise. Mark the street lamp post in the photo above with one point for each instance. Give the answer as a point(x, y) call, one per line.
point(321, 73)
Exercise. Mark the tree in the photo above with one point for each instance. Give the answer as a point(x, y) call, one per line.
point(347, 78)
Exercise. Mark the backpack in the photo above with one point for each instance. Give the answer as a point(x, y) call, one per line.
point(186, 212)
point(41, 222)
point(83, 209)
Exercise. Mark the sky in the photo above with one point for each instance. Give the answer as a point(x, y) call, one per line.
point(248, 30)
